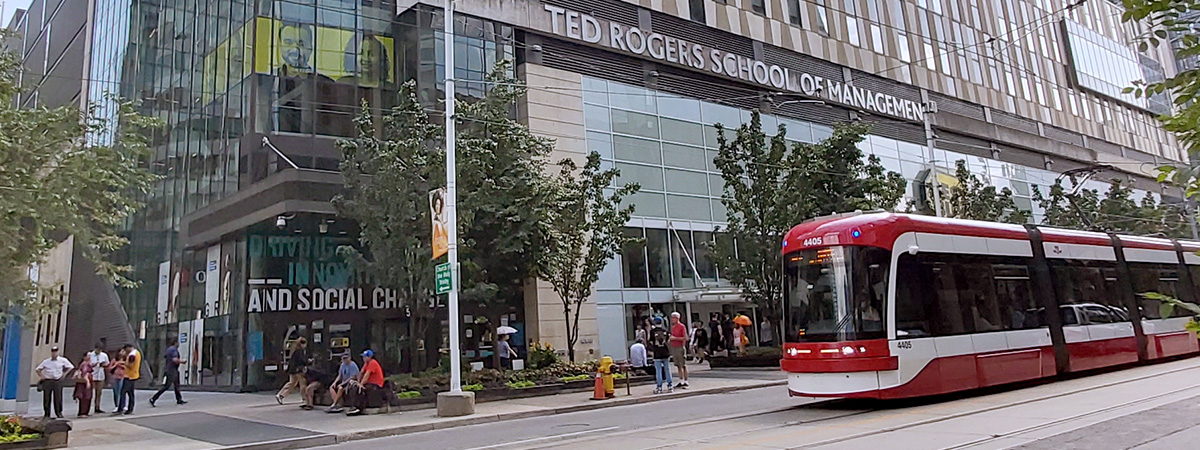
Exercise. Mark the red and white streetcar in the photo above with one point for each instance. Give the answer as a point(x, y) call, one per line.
point(882, 305)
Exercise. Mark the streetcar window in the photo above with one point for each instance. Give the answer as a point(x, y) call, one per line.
point(836, 294)
point(949, 294)
point(1160, 278)
point(1090, 289)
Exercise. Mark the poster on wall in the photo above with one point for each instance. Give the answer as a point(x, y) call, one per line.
point(183, 344)
point(191, 340)
point(195, 353)
point(164, 291)
point(212, 282)
point(356, 57)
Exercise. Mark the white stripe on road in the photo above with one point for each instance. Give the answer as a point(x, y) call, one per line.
point(546, 438)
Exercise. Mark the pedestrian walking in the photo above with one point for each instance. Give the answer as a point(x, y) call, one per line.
point(51, 373)
point(347, 378)
point(133, 373)
point(173, 361)
point(727, 333)
point(297, 364)
point(739, 338)
point(660, 342)
point(117, 374)
point(714, 334)
point(83, 385)
point(506, 352)
point(100, 367)
point(699, 341)
point(765, 335)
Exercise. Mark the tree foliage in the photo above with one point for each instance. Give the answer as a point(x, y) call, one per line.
point(64, 172)
point(1171, 22)
point(771, 186)
point(1116, 211)
point(971, 198)
point(388, 169)
point(585, 234)
point(505, 196)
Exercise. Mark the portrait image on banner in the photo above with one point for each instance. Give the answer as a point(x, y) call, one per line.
point(212, 281)
point(358, 57)
point(437, 212)
point(164, 292)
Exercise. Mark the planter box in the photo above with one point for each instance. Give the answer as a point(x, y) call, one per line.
point(54, 435)
point(744, 361)
point(491, 395)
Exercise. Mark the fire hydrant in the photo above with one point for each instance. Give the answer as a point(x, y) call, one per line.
point(605, 370)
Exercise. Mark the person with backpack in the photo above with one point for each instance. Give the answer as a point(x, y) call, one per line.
point(660, 349)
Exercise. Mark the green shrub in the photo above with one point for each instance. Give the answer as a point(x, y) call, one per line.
point(575, 378)
point(521, 384)
point(473, 387)
point(542, 355)
point(12, 431)
point(408, 394)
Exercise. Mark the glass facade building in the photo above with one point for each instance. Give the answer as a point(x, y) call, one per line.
point(233, 249)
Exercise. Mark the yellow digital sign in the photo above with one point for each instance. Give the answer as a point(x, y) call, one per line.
point(346, 56)
point(356, 57)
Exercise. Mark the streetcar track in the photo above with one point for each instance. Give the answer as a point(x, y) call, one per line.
point(993, 408)
point(825, 404)
point(1051, 423)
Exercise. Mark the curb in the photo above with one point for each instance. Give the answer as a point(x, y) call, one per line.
point(330, 439)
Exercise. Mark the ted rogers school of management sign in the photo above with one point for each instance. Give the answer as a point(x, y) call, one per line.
point(585, 28)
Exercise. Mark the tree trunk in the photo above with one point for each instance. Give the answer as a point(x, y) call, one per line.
point(567, 325)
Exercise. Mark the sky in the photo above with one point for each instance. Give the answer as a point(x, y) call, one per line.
point(11, 6)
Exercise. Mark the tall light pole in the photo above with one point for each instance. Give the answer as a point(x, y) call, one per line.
point(456, 402)
point(929, 108)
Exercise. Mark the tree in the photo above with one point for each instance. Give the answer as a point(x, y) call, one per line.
point(1077, 212)
point(585, 234)
point(505, 199)
point(389, 169)
point(973, 199)
point(58, 178)
point(769, 188)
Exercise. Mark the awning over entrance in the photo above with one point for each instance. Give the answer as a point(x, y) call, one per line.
point(711, 294)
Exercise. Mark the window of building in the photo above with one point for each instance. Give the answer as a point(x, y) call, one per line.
point(794, 12)
point(658, 258)
point(877, 43)
point(902, 50)
point(759, 6)
point(852, 31)
point(696, 10)
point(822, 19)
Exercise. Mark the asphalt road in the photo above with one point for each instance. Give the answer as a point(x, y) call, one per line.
point(624, 419)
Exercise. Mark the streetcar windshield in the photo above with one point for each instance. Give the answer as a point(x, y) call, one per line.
point(836, 294)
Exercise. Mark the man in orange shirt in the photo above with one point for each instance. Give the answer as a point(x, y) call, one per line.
point(370, 384)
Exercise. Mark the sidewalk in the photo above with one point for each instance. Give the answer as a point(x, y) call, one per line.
point(255, 421)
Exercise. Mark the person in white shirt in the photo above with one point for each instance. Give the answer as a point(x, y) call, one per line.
point(637, 357)
point(50, 374)
point(100, 363)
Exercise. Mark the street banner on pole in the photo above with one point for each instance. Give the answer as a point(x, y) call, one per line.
point(437, 211)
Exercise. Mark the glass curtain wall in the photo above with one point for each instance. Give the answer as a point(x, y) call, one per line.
point(667, 144)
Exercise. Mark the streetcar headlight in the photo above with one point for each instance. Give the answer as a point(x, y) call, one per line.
point(791, 351)
point(847, 350)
